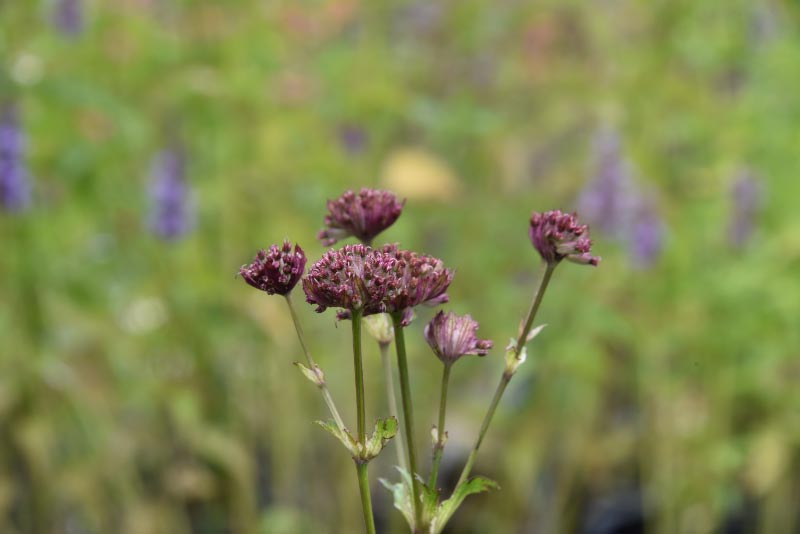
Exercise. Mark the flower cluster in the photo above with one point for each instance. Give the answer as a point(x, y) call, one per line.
point(559, 236)
point(363, 215)
point(14, 181)
point(452, 336)
point(421, 279)
point(355, 277)
point(277, 270)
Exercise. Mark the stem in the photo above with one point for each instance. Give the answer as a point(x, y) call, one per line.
point(322, 387)
point(392, 398)
point(506, 378)
point(359, 375)
point(438, 447)
point(408, 413)
point(366, 498)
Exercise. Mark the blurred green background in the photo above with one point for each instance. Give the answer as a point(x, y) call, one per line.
point(145, 389)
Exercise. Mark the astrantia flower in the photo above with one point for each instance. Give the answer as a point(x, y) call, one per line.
point(559, 236)
point(355, 277)
point(363, 215)
point(277, 270)
point(452, 336)
point(421, 279)
point(14, 180)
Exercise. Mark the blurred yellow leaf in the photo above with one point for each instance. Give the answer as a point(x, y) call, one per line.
point(419, 174)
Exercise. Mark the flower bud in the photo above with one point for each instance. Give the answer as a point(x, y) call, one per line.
point(452, 336)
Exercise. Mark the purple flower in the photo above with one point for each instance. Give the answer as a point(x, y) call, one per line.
point(352, 138)
point(171, 213)
point(747, 196)
point(277, 270)
point(68, 16)
point(15, 193)
point(609, 194)
point(452, 336)
point(363, 215)
point(355, 277)
point(645, 234)
point(559, 236)
point(421, 279)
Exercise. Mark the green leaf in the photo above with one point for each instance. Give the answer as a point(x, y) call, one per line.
point(314, 375)
point(449, 507)
point(385, 429)
point(342, 435)
point(401, 492)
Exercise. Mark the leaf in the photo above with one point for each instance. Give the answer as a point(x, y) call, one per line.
point(401, 492)
point(342, 435)
point(314, 375)
point(385, 429)
point(449, 507)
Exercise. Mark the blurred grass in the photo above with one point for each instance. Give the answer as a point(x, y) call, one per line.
point(143, 388)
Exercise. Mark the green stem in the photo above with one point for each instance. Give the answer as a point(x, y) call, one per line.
point(366, 498)
point(506, 378)
point(359, 376)
point(438, 447)
point(392, 400)
point(322, 387)
point(408, 413)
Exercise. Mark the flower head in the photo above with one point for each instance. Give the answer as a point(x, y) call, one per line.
point(277, 270)
point(14, 180)
point(420, 279)
point(363, 215)
point(559, 236)
point(171, 211)
point(452, 336)
point(355, 278)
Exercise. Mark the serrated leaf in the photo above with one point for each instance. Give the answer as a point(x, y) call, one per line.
point(342, 435)
point(385, 429)
point(449, 507)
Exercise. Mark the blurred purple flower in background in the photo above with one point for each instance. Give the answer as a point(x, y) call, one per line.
point(353, 138)
point(615, 204)
point(171, 210)
point(609, 194)
point(68, 17)
point(645, 234)
point(746, 196)
point(14, 179)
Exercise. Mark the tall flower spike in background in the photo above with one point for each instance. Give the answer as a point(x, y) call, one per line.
point(171, 209)
point(746, 196)
point(68, 17)
point(14, 179)
point(277, 270)
point(558, 236)
point(363, 215)
point(645, 236)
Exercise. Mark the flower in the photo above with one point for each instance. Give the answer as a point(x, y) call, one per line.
point(14, 180)
point(171, 213)
point(452, 336)
point(421, 279)
point(559, 236)
point(746, 196)
point(610, 191)
point(68, 17)
point(277, 270)
point(363, 215)
point(645, 238)
point(355, 277)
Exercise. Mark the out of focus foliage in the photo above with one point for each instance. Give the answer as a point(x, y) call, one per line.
point(144, 389)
